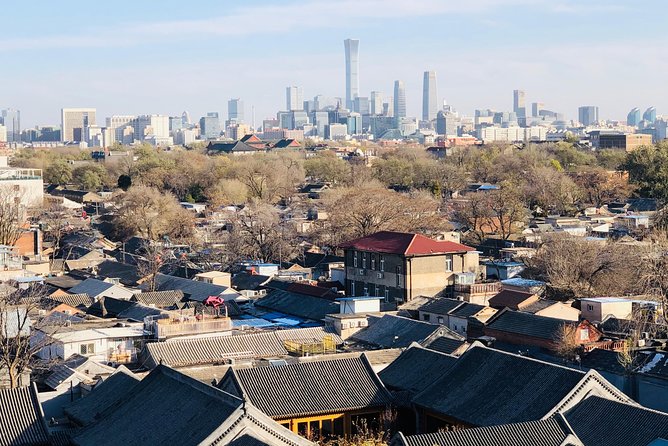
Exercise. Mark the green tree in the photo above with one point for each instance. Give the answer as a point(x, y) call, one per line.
point(58, 172)
point(648, 170)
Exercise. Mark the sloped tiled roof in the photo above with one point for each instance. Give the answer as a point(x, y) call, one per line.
point(92, 287)
point(86, 410)
point(510, 298)
point(128, 274)
point(527, 324)
point(137, 312)
point(487, 387)
point(160, 299)
point(109, 307)
point(21, 418)
point(441, 305)
point(601, 422)
point(193, 289)
point(309, 388)
point(298, 304)
point(247, 281)
point(213, 350)
point(170, 408)
point(404, 243)
point(395, 332)
point(550, 432)
point(82, 300)
point(444, 344)
point(539, 305)
point(415, 369)
point(466, 310)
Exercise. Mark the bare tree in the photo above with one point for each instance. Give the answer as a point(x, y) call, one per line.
point(55, 224)
point(18, 342)
point(154, 258)
point(565, 343)
point(641, 325)
point(12, 214)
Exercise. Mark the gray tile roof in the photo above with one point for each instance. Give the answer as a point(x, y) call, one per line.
point(21, 418)
point(527, 324)
point(214, 350)
point(541, 304)
point(466, 310)
point(138, 312)
point(303, 389)
point(415, 369)
point(92, 287)
point(443, 344)
point(193, 289)
point(170, 408)
point(550, 432)
point(487, 387)
point(509, 298)
point(169, 299)
point(396, 332)
point(115, 388)
point(82, 300)
point(442, 305)
point(247, 281)
point(296, 304)
point(601, 422)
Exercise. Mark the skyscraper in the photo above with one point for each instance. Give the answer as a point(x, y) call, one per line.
point(74, 122)
point(185, 117)
point(536, 108)
point(588, 115)
point(650, 115)
point(210, 126)
point(294, 98)
point(11, 119)
point(429, 96)
point(634, 117)
point(352, 47)
point(399, 99)
point(235, 110)
point(376, 103)
point(519, 107)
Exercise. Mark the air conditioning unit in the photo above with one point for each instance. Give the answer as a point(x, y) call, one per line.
point(380, 275)
point(362, 272)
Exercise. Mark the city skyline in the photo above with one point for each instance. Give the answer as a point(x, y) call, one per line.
point(540, 48)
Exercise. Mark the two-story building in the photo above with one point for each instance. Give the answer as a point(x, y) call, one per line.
point(399, 266)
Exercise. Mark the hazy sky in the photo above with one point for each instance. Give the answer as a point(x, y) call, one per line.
point(166, 56)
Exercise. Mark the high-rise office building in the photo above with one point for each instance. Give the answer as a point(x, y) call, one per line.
point(429, 96)
point(235, 110)
point(399, 99)
point(185, 117)
point(588, 115)
point(519, 107)
point(447, 123)
point(11, 119)
point(116, 125)
point(536, 108)
point(650, 115)
point(361, 105)
point(352, 47)
point(634, 117)
point(210, 126)
point(376, 103)
point(74, 122)
point(294, 98)
point(175, 124)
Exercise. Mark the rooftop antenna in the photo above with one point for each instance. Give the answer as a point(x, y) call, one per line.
point(253, 116)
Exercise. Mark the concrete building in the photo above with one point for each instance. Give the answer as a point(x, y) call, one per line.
point(512, 134)
point(11, 119)
point(117, 124)
point(361, 105)
point(352, 47)
point(25, 185)
point(429, 96)
point(607, 139)
point(588, 115)
point(337, 132)
point(399, 99)
point(447, 123)
point(401, 266)
point(3, 134)
point(519, 106)
point(294, 98)
point(146, 126)
point(235, 110)
point(74, 122)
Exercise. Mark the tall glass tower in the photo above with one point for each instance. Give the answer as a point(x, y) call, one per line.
point(12, 120)
point(399, 99)
point(429, 96)
point(235, 110)
point(352, 71)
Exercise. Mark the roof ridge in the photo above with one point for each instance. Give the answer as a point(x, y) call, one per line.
point(474, 346)
point(408, 248)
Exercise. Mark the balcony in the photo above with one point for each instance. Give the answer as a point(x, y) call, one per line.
point(187, 325)
point(11, 173)
point(122, 356)
point(478, 288)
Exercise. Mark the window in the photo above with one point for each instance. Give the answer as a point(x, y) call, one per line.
point(366, 291)
point(440, 319)
point(448, 263)
point(387, 294)
point(398, 275)
point(352, 288)
point(87, 349)
point(355, 259)
point(584, 334)
point(373, 261)
point(590, 307)
point(364, 260)
point(425, 317)
point(372, 289)
point(382, 264)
